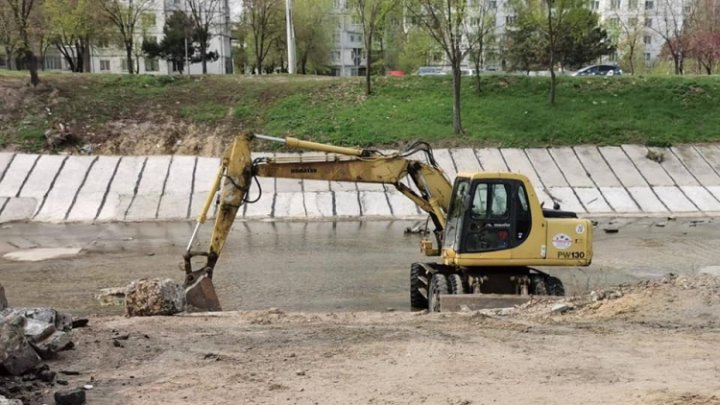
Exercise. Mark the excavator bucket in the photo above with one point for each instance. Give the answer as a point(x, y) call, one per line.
point(200, 291)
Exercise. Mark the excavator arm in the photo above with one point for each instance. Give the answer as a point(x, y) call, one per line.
point(431, 192)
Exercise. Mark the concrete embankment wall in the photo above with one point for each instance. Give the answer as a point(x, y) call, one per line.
point(590, 180)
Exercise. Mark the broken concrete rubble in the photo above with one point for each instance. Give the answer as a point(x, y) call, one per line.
point(29, 335)
point(154, 297)
point(5, 401)
point(111, 296)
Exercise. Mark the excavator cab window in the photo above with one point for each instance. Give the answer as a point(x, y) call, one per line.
point(498, 217)
point(461, 193)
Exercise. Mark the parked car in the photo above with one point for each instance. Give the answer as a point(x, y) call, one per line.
point(431, 71)
point(599, 70)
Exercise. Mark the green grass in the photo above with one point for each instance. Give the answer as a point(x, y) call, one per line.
point(509, 111)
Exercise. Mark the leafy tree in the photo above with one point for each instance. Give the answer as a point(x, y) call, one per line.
point(313, 33)
point(8, 33)
point(71, 25)
point(25, 16)
point(704, 35)
point(264, 25)
point(628, 36)
point(482, 34)
point(371, 14)
point(672, 29)
point(445, 22)
point(126, 16)
point(417, 50)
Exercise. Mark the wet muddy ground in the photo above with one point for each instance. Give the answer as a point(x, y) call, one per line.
point(315, 266)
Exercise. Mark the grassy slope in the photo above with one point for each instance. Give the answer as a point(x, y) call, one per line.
point(511, 111)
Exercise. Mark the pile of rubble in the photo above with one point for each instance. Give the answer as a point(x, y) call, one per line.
point(146, 297)
point(27, 337)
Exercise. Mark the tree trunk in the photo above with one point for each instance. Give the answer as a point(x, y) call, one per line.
point(128, 52)
point(32, 64)
point(552, 85)
point(68, 58)
point(368, 63)
point(457, 76)
point(87, 68)
point(478, 86)
point(632, 60)
point(203, 55)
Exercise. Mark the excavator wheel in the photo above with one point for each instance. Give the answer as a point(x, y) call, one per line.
point(544, 284)
point(455, 284)
point(438, 285)
point(418, 282)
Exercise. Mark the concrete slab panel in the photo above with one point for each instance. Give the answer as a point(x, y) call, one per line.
point(314, 185)
point(5, 159)
point(714, 190)
point(90, 197)
point(619, 199)
point(347, 204)
point(175, 201)
point(39, 182)
point(646, 199)
point(150, 189)
point(319, 204)
point(466, 160)
point(674, 199)
point(290, 205)
point(287, 185)
point(374, 204)
point(651, 170)
point(702, 198)
point(567, 199)
point(343, 186)
point(677, 170)
point(592, 199)
point(445, 160)
point(546, 168)
point(205, 171)
point(402, 207)
point(263, 208)
point(519, 163)
point(697, 165)
point(16, 173)
point(571, 168)
point(122, 189)
point(711, 154)
point(622, 166)
point(19, 209)
point(596, 167)
point(68, 182)
point(491, 160)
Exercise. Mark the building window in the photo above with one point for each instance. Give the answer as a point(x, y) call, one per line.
point(687, 9)
point(649, 5)
point(633, 4)
point(632, 21)
point(124, 65)
point(647, 56)
point(492, 4)
point(648, 22)
point(647, 40)
point(613, 57)
point(613, 22)
point(510, 19)
point(595, 6)
point(105, 65)
point(152, 65)
point(614, 4)
point(102, 43)
point(53, 62)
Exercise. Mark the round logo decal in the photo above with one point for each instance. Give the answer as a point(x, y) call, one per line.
point(561, 241)
point(580, 229)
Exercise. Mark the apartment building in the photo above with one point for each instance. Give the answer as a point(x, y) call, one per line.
point(107, 57)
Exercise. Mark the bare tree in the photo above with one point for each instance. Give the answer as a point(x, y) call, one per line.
point(22, 12)
point(263, 20)
point(371, 14)
point(445, 22)
point(204, 14)
point(672, 28)
point(482, 30)
point(704, 35)
point(126, 15)
point(629, 32)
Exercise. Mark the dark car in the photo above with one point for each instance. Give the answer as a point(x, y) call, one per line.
point(599, 70)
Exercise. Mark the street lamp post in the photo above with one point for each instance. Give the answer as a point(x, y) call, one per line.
point(290, 37)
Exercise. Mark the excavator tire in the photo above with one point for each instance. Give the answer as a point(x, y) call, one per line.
point(455, 284)
point(544, 284)
point(438, 285)
point(417, 299)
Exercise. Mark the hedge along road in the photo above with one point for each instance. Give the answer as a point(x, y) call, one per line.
point(315, 266)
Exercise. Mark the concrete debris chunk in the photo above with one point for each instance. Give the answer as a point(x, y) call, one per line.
point(16, 354)
point(154, 297)
point(3, 300)
point(5, 401)
point(109, 297)
point(561, 308)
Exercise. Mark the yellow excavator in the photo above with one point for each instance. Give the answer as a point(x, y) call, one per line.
point(489, 228)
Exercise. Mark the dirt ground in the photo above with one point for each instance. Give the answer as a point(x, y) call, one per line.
point(652, 343)
point(645, 342)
